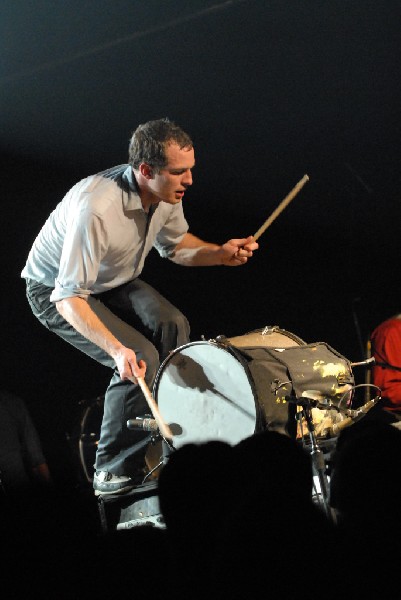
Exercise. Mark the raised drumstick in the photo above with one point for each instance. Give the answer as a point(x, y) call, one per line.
point(281, 206)
point(164, 428)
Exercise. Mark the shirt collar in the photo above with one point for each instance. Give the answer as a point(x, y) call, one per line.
point(131, 200)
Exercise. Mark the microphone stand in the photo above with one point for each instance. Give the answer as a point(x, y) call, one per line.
point(146, 423)
point(164, 429)
point(167, 449)
point(318, 461)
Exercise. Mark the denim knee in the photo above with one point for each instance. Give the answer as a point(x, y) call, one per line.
point(176, 326)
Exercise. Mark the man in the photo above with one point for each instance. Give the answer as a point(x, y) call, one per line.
point(83, 280)
point(386, 372)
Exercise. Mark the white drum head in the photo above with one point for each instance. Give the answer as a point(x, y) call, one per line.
point(204, 393)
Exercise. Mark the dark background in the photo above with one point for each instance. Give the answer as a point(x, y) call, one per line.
point(269, 91)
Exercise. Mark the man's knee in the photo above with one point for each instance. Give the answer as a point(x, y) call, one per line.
point(174, 320)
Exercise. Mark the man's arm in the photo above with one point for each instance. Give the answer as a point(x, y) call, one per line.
point(79, 314)
point(194, 252)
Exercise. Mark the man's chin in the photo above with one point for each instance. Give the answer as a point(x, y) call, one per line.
point(172, 200)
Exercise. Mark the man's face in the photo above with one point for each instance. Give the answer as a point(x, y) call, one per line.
point(170, 184)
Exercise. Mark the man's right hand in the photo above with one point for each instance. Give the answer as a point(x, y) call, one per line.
point(127, 365)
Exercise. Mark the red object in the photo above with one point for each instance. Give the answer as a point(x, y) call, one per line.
point(386, 348)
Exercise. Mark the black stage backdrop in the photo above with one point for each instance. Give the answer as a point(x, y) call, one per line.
point(269, 91)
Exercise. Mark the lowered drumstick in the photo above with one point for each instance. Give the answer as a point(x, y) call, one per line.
point(163, 427)
point(281, 206)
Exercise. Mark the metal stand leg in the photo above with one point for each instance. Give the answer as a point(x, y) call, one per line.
point(167, 449)
point(318, 461)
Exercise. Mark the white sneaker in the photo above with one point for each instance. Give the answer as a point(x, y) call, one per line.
point(107, 483)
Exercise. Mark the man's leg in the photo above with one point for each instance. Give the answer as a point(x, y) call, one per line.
point(140, 307)
point(120, 450)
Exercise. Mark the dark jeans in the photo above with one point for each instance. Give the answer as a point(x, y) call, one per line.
point(141, 319)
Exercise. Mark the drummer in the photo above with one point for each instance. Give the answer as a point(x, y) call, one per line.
point(82, 280)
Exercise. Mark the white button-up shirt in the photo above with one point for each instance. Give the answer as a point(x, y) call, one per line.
point(98, 236)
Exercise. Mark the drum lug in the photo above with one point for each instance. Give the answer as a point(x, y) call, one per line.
point(269, 329)
point(221, 339)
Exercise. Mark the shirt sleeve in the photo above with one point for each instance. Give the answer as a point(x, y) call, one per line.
point(84, 246)
point(172, 232)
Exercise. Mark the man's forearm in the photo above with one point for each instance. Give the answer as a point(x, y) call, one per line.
point(79, 314)
point(194, 252)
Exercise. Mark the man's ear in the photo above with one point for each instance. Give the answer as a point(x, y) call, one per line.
point(146, 170)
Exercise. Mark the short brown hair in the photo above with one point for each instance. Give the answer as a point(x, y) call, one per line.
point(149, 140)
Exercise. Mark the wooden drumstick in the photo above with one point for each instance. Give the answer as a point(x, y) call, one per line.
point(164, 428)
point(281, 206)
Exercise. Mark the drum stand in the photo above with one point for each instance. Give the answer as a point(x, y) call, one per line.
point(318, 461)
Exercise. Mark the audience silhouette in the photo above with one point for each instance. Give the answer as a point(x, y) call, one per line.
point(240, 522)
point(271, 538)
point(196, 489)
point(365, 490)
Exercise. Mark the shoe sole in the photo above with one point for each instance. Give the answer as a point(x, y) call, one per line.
point(120, 491)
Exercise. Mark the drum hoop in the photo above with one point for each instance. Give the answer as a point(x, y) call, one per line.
point(275, 329)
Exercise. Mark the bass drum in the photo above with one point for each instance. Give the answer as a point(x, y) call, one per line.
point(205, 391)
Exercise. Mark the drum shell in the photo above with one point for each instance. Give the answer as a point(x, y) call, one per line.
point(284, 376)
point(255, 347)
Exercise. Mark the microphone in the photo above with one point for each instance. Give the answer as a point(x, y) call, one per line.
point(364, 363)
point(354, 416)
point(144, 423)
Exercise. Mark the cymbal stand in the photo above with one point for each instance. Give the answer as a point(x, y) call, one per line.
point(318, 461)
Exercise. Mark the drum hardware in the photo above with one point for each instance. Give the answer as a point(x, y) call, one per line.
point(330, 419)
point(364, 363)
point(320, 398)
point(269, 329)
point(146, 423)
point(326, 434)
point(159, 458)
point(355, 387)
point(154, 460)
point(276, 385)
point(354, 416)
point(317, 455)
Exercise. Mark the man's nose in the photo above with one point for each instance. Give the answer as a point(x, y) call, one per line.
point(187, 177)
